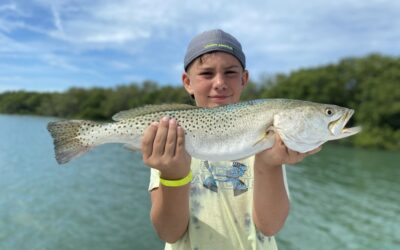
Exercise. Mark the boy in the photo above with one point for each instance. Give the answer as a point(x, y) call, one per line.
point(215, 205)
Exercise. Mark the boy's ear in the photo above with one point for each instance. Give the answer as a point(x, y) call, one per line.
point(186, 83)
point(245, 77)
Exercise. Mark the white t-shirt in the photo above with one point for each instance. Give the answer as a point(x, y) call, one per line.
point(221, 205)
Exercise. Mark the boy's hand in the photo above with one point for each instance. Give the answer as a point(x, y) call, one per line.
point(163, 148)
point(279, 154)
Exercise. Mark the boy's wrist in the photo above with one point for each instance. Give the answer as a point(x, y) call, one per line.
point(260, 165)
point(177, 183)
point(174, 173)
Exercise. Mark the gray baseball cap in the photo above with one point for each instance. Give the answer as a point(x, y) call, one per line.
point(214, 40)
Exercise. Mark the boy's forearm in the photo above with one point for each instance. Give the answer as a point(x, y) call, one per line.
point(170, 212)
point(270, 203)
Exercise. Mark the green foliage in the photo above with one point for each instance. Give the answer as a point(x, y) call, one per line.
point(93, 103)
point(370, 85)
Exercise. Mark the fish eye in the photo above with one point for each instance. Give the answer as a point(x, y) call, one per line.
point(329, 112)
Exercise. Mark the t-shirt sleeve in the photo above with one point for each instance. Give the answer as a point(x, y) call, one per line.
point(154, 179)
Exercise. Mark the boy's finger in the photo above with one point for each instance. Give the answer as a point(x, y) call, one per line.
point(314, 151)
point(180, 140)
point(148, 139)
point(278, 139)
point(280, 145)
point(161, 137)
point(170, 144)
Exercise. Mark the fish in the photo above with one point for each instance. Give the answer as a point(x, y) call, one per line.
point(224, 133)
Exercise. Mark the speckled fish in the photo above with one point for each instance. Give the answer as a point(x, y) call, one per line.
point(229, 132)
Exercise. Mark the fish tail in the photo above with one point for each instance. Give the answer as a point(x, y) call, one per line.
point(67, 144)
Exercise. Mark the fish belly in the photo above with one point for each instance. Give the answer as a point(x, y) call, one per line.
point(228, 148)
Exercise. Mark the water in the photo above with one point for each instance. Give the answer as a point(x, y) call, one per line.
point(99, 202)
point(342, 198)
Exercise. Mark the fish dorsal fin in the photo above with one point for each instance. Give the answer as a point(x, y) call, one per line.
point(149, 109)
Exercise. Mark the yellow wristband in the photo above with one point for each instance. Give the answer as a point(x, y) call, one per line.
point(177, 183)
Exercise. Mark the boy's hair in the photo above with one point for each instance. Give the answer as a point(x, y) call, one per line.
point(212, 41)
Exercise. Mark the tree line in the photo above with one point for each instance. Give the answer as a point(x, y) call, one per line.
point(370, 85)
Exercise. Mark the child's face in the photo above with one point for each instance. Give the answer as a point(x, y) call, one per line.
point(216, 79)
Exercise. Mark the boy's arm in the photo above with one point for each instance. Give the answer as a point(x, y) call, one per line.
point(170, 212)
point(163, 149)
point(271, 202)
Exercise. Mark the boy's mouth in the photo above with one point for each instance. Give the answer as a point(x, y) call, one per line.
point(220, 97)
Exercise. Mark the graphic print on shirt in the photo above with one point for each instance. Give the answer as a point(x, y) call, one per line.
point(225, 175)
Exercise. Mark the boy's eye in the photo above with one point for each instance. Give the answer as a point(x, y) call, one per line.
point(231, 72)
point(205, 73)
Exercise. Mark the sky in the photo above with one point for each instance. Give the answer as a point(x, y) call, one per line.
point(52, 45)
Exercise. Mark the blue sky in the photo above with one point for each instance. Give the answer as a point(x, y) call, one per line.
point(51, 45)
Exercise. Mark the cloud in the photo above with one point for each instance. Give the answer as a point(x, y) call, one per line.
point(57, 20)
point(261, 24)
point(120, 65)
point(59, 62)
point(109, 42)
point(7, 7)
point(109, 22)
point(8, 45)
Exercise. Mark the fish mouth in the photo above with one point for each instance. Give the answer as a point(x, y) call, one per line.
point(337, 127)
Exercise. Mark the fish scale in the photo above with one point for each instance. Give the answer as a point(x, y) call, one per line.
point(227, 132)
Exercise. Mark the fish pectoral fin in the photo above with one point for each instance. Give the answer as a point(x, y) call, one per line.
point(268, 135)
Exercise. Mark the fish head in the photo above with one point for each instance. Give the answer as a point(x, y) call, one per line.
point(337, 127)
point(309, 125)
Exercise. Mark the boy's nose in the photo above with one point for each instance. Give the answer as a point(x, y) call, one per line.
point(220, 82)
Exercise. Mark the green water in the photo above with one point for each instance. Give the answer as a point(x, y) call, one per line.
point(342, 198)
